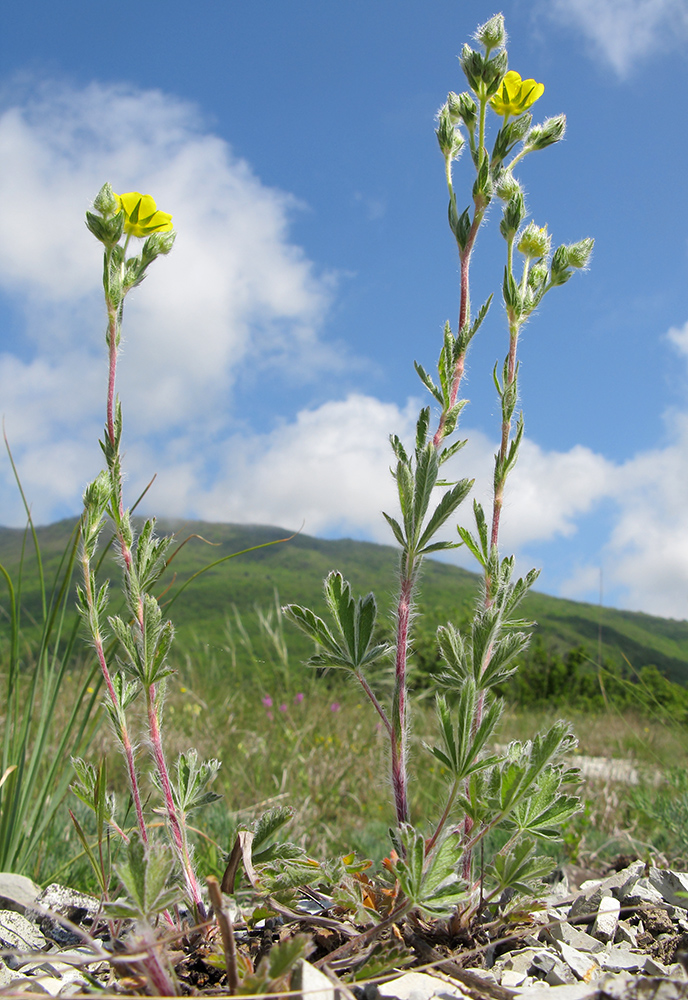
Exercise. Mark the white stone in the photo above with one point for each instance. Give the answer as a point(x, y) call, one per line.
point(625, 934)
point(571, 935)
point(313, 983)
point(672, 886)
point(607, 919)
point(19, 933)
point(419, 986)
point(621, 959)
point(512, 978)
point(17, 891)
point(584, 966)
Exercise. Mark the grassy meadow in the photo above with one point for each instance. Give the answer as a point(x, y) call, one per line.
point(288, 736)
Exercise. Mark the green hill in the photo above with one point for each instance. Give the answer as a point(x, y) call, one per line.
point(295, 569)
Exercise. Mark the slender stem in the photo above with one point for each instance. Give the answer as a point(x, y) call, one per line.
point(178, 837)
point(443, 818)
point(127, 747)
point(376, 704)
point(499, 484)
point(399, 719)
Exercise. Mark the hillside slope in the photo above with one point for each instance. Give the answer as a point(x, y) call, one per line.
point(296, 568)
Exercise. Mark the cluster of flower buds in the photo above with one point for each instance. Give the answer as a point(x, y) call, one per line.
point(129, 214)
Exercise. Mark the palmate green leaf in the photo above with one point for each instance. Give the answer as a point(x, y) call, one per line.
point(398, 448)
point(451, 450)
point(286, 954)
point(406, 489)
point(150, 555)
point(88, 851)
point(343, 609)
point(462, 747)
point(145, 876)
point(409, 867)
point(193, 776)
point(452, 416)
point(542, 812)
point(519, 869)
point(314, 627)
point(439, 547)
point(525, 765)
point(127, 644)
point(442, 864)
point(445, 366)
point(466, 335)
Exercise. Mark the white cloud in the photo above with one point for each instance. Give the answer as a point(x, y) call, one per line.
point(234, 292)
point(624, 31)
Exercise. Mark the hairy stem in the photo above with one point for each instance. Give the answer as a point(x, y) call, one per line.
point(123, 734)
point(399, 721)
point(178, 834)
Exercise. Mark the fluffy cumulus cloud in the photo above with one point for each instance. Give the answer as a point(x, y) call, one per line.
point(235, 290)
point(624, 31)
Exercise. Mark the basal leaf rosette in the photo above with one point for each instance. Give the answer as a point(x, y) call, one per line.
point(516, 95)
point(142, 216)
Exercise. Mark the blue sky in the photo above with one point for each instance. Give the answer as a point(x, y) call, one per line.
point(267, 360)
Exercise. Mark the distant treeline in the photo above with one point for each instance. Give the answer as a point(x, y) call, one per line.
point(574, 679)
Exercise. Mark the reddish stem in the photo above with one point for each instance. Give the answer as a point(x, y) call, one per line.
point(192, 885)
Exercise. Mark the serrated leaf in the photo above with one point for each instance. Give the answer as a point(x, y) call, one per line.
point(445, 508)
point(428, 382)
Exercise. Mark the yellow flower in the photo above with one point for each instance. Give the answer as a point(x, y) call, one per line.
point(516, 95)
point(141, 215)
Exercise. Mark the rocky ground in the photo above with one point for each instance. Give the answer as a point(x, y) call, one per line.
point(622, 936)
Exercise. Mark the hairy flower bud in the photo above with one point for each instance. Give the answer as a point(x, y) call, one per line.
point(506, 186)
point(551, 131)
point(579, 253)
point(514, 213)
point(106, 201)
point(535, 242)
point(492, 34)
point(462, 108)
point(450, 139)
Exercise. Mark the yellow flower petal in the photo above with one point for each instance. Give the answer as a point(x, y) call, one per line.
point(516, 95)
point(141, 215)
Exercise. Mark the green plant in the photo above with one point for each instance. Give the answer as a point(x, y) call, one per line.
point(42, 671)
point(522, 789)
point(143, 635)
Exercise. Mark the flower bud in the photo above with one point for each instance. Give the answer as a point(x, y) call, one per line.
point(514, 212)
point(463, 108)
point(492, 34)
point(156, 244)
point(535, 242)
point(551, 131)
point(106, 201)
point(579, 253)
point(537, 275)
point(107, 230)
point(506, 186)
point(450, 139)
